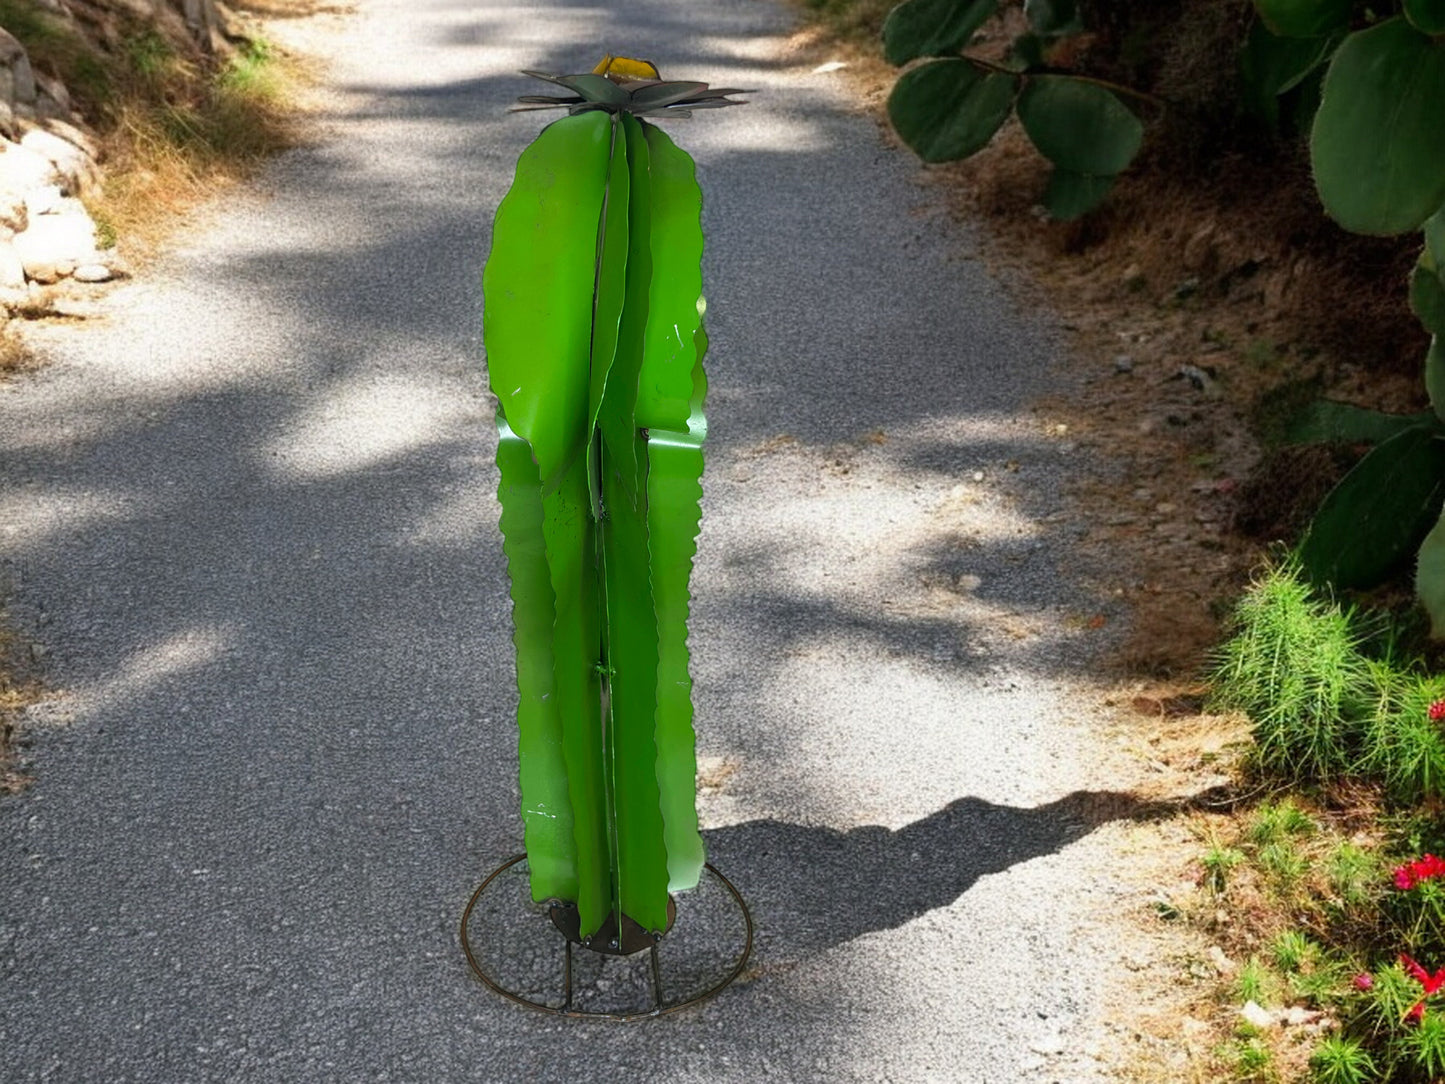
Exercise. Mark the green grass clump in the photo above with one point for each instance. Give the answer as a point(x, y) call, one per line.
point(1293, 664)
point(1326, 701)
point(1339, 1060)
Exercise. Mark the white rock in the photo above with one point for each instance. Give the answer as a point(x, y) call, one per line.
point(75, 136)
point(91, 272)
point(1257, 1015)
point(13, 213)
point(1222, 963)
point(44, 200)
point(12, 270)
point(22, 170)
point(76, 168)
point(55, 245)
point(1297, 1015)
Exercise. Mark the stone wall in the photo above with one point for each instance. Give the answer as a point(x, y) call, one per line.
point(50, 159)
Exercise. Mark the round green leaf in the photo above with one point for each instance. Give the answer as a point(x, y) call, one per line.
point(1079, 126)
point(1378, 141)
point(932, 27)
point(1434, 230)
point(1271, 65)
point(1427, 15)
point(1053, 18)
point(1430, 578)
point(948, 109)
point(1427, 295)
point(1378, 513)
point(1435, 375)
point(1303, 18)
point(1071, 195)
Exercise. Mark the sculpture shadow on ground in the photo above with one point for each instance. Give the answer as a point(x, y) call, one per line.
point(872, 878)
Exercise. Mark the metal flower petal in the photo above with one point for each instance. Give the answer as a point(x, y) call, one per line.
point(620, 85)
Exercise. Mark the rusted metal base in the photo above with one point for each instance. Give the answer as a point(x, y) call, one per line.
point(610, 940)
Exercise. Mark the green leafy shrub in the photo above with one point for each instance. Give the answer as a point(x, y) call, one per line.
point(951, 105)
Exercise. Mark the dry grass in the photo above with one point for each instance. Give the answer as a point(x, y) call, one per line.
point(187, 131)
point(175, 126)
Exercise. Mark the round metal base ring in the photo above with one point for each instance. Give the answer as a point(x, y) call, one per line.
point(660, 1009)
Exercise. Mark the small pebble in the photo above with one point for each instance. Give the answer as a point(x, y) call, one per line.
point(91, 272)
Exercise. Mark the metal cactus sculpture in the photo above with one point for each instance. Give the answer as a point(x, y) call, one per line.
point(594, 340)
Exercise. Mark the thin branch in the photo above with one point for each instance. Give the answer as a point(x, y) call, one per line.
point(1117, 88)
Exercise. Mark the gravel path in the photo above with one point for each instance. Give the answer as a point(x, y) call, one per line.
point(251, 513)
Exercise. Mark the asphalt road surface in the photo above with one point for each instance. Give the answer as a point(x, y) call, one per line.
point(250, 514)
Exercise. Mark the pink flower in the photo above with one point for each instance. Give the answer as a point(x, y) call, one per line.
point(1364, 981)
point(1437, 711)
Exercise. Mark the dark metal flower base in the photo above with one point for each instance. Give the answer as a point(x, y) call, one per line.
point(611, 940)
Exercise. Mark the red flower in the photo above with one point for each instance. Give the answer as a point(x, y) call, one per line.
point(1431, 983)
point(1437, 711)
point(1425, 868)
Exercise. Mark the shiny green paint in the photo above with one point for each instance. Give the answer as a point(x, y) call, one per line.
point(577, 647)
point(538, 285)
point(664, 396)
point(674, 491)
point(609, 290)
point(600, 495)
point(631, 620)
point(546, 804)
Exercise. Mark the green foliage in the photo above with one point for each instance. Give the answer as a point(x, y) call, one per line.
point(1376, 150)
point(1379, 513)
point(950, 108)
point(1427, 16)
point(1340, 1060)
point(1274, 822)
point(1424, 1046)
point(1427, 294)
point(1403, 746)
point(1303, 18)
point(1071, 195)
point(1053, 18)
point(1323, 421)
point(1218, 861)
point(918, 28)
point(1430, 577)
point(1293, 951)
point(1271, 66)
point(1079, 126)
point(1253, 1061)
point(594, 348)
point(1256, 982)
point(1354, 875)
point(1293, 665)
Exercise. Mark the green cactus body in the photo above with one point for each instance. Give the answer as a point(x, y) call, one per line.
point(594, 348)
